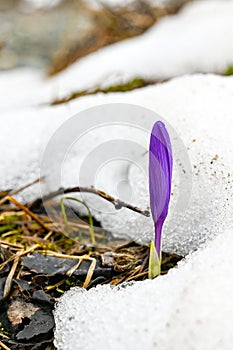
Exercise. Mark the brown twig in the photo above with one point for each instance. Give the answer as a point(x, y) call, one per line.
point(27, 211)
point(40, 179)
point(19, 254)
point(90, 273)
point(11, 245)
point(71, 271)
point(116, 202)
point(134, 277)
point(7, 287)
point(13, 193)
point(3, 346)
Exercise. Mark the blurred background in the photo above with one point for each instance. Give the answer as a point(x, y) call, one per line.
point(52, 34)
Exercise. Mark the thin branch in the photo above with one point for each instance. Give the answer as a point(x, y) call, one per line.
point(27, 211)
point(19, 255)
point(2, 345)
point(118, 204)
point(13, 193)
point(8, 283)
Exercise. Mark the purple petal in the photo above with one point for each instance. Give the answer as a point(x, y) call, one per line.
point(160, 177)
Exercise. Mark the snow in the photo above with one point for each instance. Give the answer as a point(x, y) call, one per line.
point(165, 50)
point(117, 3)
point(195, 40)
point(14, 97)
point(96, 3)
point(190, 308)
point(189, 104)
point(41, 3)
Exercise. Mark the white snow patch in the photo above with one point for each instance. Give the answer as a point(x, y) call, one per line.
point(38, 4)
point(120, 3)
point(23, 88)
point(190, 308)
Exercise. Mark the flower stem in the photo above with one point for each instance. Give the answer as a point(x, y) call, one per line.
point(154, 262)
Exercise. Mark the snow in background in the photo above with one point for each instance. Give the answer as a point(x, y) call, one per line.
point(97, 3)
point(195, 40)
point(37, 4)
point(115, 3)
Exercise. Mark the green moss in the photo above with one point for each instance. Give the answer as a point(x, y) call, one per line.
point(135, 83)
point(11, 218)
point(3, 331)
point(228, 71)
point(6, 228)
point(71, 282)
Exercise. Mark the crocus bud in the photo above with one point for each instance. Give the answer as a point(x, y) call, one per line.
point(160, 178)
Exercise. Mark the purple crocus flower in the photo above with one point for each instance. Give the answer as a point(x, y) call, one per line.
point(160, 177)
